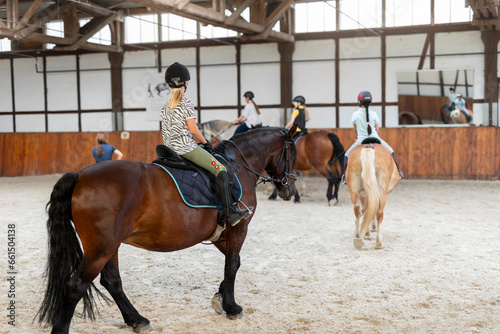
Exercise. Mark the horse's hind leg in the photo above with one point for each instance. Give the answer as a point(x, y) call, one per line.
point(380, 217)
point(77, 288)
point(111, 280)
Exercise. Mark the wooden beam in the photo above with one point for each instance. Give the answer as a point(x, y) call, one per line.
point(236, 14)
point(39, 19)
point(200, 13)
point(12, 13)
point(92, 9)
point(424, 51)
point(3, 25)
point(31, 11)
point(88, 31)
point(277, 13)
point(116, 4)
point(179, 4)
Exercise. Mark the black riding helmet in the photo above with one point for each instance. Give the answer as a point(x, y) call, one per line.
point(249, 95)
point(177, 75)
point(364, 98)
point(299, 98)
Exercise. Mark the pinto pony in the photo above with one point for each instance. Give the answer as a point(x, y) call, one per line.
point(321, 151)
point(371, 175)
point(117, 202)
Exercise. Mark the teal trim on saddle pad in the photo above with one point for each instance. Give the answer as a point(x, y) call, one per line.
point(199, 206)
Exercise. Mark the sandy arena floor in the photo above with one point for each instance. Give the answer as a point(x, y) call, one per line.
point(438, 273)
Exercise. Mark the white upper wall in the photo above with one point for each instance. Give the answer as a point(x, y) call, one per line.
point(314, 71)
point(260, 73)
point(357, 74)
point(313, 77)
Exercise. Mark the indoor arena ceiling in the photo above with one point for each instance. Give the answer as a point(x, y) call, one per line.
point(22, 21)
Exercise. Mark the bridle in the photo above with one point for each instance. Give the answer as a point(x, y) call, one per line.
point(263, 179)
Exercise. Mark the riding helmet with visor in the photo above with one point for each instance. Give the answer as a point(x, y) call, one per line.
point(177, 75)
point(300, 99)
point(364, 98)
point(249, 95)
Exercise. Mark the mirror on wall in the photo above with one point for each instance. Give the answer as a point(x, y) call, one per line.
point(424, 96)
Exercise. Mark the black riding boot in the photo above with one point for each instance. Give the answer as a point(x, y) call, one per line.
point(233, 215)
point(344, 168)
point(399, 170)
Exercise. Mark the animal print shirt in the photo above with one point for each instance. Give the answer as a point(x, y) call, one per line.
point(174, 128)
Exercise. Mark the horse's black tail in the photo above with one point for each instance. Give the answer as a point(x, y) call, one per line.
point(338, 151)
point(64, 253)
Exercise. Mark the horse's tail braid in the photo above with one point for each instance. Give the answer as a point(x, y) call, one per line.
point(64, 253)
point(338, 150)
point(371, 186)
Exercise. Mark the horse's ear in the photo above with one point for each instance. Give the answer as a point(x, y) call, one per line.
point(291, 132)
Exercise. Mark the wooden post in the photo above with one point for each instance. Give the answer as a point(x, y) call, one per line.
point(286, 52)
point(116, 60)
point(490, 40)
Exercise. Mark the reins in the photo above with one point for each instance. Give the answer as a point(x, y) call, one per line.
point(262, 178)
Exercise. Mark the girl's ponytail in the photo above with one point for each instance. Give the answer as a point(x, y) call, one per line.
point(368, 120)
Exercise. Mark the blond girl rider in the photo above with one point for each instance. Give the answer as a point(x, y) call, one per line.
point(181, 134)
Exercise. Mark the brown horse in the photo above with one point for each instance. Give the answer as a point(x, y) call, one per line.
point(134, 203)
point(371, 175)
point(321, 151)
point(409, 117)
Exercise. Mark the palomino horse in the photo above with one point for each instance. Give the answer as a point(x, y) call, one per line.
point(138, 204)
point(409, 117)
point(455, 116)
point(371, 175)
point(458, 117)
point(321, 151)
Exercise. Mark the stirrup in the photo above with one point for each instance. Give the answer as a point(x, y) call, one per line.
point(243, 214)
point(343, 179)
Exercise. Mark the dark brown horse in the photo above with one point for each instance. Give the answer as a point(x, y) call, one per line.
point(409, 117)
point(138, 204)
point(321, 151)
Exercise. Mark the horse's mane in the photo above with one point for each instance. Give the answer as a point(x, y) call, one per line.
point(254, 136)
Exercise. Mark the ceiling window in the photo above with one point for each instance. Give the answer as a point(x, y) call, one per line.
point(407, 12)
point(141, 29)
point(175, 28)
point(315, 16)
point(5, 45)
point(360, 14)
point(449, 11)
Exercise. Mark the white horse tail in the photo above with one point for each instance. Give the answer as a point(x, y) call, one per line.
point(371, 187)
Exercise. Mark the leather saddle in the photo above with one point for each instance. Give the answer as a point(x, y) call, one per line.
point(371, 140)
point(168, 158)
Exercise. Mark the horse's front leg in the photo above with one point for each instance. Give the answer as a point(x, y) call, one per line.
point(224, 299)
point(274, 194)
point(111, 280)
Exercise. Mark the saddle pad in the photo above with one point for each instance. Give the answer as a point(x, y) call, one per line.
point(193, 189)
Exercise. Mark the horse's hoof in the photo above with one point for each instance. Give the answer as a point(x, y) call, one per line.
point(379, 246)
point(296, 200)
point(358, 243)
point(236, 316)
point(217, 303)
point(272, 198)
point(333, 203)
point(142, 327)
